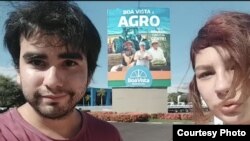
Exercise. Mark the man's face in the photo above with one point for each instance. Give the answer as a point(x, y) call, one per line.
point(128, 46)
point(53, 80)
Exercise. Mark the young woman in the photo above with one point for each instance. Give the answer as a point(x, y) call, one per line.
point(220, 56)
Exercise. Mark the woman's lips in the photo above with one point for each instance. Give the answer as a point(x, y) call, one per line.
point(230, 108)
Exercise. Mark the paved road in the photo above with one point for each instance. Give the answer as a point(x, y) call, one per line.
point(145, 131)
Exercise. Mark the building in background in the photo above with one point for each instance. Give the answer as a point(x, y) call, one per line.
point(96, 97)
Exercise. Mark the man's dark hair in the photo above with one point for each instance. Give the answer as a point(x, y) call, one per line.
point(64, 20)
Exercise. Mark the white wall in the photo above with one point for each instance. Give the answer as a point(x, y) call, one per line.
point(139, 100)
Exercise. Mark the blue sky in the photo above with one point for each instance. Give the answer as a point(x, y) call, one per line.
point(186, 18)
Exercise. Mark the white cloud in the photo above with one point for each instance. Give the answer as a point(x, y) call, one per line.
point(181, 88)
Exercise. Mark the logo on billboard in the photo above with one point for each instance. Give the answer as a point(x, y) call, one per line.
point(138, 76)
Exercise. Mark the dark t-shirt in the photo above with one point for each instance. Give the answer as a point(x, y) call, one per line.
point(14, 128)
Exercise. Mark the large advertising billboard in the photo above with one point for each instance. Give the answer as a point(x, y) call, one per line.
point(138, 47)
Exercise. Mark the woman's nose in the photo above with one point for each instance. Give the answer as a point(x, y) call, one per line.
point(223, 83)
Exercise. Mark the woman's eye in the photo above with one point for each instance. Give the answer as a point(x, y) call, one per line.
point(232, 67)
point(205, 75)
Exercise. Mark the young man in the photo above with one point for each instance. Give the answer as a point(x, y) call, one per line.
point(128, 55)
point(54, 47)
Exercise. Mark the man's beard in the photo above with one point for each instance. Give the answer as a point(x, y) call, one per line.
point(54, 110)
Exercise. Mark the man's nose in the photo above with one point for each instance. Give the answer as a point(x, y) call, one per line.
point(53, 78)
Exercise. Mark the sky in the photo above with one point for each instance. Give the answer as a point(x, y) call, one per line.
point(186, 18)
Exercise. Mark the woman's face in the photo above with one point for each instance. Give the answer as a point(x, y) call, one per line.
point(214, 77)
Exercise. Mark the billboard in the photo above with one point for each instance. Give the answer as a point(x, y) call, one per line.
point(138, 47)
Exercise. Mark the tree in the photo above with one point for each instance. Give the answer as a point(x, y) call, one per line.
point(87, 99)
point(10, 93)
point(184, 98)
point(172, 97)
point(101, 94)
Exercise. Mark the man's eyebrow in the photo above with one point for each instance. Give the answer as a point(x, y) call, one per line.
point(71, 55)
point(31, 55)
